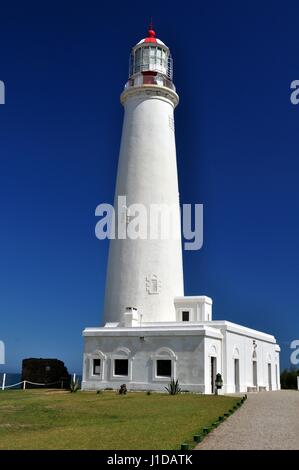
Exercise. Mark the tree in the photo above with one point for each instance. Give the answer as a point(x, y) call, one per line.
point(288, 379)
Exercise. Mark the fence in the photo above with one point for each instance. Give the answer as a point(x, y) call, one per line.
point(22, 384)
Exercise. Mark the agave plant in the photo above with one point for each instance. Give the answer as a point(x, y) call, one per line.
point(173, 388)
point(74, 386)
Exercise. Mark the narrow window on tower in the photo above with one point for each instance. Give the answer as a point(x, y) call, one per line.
point(97, 367)
point(171, 123)
point(185, 315)
point(153, 284)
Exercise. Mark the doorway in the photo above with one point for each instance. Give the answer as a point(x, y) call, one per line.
point(213, 374)
point(254, 373)
point(237, 375)
point(270, 377)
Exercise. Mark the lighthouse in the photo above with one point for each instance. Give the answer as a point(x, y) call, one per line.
point(145, 274)
point(153, 333)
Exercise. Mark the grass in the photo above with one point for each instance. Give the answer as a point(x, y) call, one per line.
point(40, 419)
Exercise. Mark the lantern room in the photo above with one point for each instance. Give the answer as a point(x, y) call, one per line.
point(150, 63)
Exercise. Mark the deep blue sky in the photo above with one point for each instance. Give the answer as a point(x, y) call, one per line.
point(64, 65)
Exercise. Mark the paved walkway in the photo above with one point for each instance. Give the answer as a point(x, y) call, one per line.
point(267, 420)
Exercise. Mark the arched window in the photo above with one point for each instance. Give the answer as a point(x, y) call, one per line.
point(213, 366)
point(96, 365)
point(164, 365)
point(121, 364)
point(236, 362)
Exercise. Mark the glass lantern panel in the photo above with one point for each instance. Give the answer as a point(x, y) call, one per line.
point(159, 58)
point(152, 58)
point(137, 60)
point(145, 55)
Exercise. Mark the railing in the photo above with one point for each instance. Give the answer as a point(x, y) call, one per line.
point(22, 384)
point(159, 80)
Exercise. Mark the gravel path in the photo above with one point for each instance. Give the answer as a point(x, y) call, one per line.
point(267, 420)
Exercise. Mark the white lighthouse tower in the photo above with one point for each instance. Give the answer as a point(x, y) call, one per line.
point(153, 333)
point(145, 274)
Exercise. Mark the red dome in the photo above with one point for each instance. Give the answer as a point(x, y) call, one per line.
point(151, 36)
point(151, 33)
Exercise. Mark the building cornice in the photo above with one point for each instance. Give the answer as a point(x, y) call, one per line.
point(193, 299)
point(151, 91)
point(155, 331)
point(244, 331)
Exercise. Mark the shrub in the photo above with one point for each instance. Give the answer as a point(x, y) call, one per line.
point(173, 388)
point(148, 392)
point(288, 379)
point(74, 386)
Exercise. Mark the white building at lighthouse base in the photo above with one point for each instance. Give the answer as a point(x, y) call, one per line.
point(170, 336)
point(193, 349)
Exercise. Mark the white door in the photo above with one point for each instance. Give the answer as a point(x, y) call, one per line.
point(254, 373)
point(270, 376)
point(237, 375)
point(213, 374)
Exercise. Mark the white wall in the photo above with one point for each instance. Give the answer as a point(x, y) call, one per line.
point(147, 174)
point(188, 361)
point(189, 347)
point(213, 348)
point(199, 307)
point(241, 347)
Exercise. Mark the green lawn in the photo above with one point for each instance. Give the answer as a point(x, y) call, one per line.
point(41, 419)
